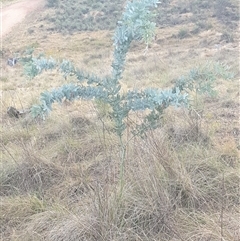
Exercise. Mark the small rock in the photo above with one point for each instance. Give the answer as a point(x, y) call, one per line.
point(12, 61)
point(13, 112)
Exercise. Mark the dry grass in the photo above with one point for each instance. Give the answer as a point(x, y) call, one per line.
point(60, 178)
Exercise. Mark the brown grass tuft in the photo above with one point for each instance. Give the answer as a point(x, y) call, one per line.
point(29, 177)
point(60, 177)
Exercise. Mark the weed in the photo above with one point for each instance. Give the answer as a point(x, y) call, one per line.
point(201, 25)
point(71, 17)
point(204, 25)
point(30, 30)
point(226, 12)
point(183, 33)
point(52, 3)
point(4, 79)
point(227, 37)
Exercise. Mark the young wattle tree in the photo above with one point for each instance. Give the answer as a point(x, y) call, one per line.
point(135, 25)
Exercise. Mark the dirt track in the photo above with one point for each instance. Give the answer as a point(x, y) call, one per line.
point(15, 13)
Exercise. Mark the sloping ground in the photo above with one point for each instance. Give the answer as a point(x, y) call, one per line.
point(13, 14)
point(60, 178)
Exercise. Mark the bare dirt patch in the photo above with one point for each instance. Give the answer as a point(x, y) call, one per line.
point(15, 13)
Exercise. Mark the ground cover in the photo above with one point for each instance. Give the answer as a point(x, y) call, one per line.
point(60, 178)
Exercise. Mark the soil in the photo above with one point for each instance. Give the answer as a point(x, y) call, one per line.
point(15, 13)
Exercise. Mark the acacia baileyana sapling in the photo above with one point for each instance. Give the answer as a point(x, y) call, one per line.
point(135, 25)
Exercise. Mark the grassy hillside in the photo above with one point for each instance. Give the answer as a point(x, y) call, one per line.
point(60, 177)
point(73, 16)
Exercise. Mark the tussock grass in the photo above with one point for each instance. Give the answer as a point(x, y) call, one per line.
point(16, 210)
point(170, 192)
point(60, 178)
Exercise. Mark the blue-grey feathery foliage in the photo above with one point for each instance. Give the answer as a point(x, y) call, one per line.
point(135, 24)
point(202, 79)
